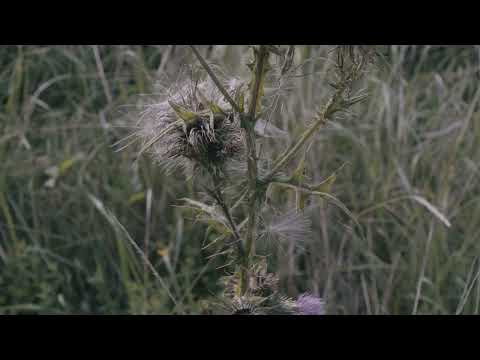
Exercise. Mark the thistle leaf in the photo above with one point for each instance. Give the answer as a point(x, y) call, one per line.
point(199, 205)
point(209, 215)
point(330, 198)
point(298, 175)
point(325, 186)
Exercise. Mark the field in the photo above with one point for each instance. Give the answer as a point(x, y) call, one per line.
point(71, 205)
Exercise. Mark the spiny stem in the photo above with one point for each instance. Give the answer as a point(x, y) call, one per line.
point(336, 103)
point(217, 192)
point(215, 79)
point(248, 123)
point(243, 253)
point(292, 151)
point(259, 69)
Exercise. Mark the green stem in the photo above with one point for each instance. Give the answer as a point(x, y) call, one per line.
point(248, 123)
point(221, 202)
point(215, 79)
point(293, 150)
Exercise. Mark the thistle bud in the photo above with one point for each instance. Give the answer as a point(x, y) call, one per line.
point(310, 305)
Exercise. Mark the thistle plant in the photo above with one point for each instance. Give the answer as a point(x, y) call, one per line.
point(211, 126)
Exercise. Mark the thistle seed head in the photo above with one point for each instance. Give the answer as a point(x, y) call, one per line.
point(293, 226)
point(193, 125)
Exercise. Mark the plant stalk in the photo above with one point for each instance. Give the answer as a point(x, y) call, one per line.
point(293, 150)
point(215, 79)
point(217, 194)
point(248, 123)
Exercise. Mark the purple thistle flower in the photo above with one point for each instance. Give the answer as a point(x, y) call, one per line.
point(310, 305)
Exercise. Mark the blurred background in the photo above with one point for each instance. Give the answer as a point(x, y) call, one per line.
point(70, 205)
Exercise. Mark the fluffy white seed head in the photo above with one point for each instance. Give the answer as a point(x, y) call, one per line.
point(293, 226)
point(191, 124)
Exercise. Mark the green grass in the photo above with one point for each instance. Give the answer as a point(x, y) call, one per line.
point(66, 248)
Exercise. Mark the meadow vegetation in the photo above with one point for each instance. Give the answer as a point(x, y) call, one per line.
point(76, 216)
